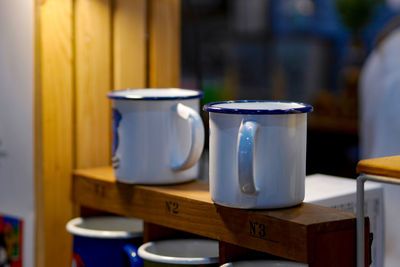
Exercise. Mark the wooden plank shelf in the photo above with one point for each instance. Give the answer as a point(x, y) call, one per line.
point(385, 166)
point(306, 233)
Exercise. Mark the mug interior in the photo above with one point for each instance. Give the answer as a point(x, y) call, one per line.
point(154, 94)
point(258, 107)
point(106, 227)
point(183, 251)
point(265, 263)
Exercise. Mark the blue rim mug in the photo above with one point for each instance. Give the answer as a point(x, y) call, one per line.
point(158, 135)
point(257, 153)
point(106, 241)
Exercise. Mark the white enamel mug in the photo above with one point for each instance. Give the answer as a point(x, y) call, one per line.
point(257, 153)
point(177, 252)
point(158, 135)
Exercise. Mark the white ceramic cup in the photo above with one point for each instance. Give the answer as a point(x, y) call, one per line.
point(188, 252)
point(265, 263)
point(257, 153)
point(158, 135)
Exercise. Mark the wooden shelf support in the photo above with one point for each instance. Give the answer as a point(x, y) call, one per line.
point(381, 170)
point(306, 233)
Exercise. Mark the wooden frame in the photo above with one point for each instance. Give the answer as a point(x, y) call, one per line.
point(307, 233)
point(83, 49)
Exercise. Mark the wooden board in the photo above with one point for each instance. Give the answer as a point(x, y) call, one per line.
point(164, 43)
point(53, 132)
point(293, 233)
point(93, 81)
point(386, 166)
point(83, 49)
point(129, 44)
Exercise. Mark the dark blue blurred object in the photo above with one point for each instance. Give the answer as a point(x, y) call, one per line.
point(98, 252)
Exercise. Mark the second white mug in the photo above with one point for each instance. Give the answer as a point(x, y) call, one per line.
point(257, 153)
point(158, 135)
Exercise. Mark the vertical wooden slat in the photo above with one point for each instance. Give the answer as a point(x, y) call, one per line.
point(93, 81)
point(54, 132)
point(129, 44)
point(164, 43)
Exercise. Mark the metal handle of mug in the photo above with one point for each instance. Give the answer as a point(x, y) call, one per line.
point(197, 133)
point(246, 152)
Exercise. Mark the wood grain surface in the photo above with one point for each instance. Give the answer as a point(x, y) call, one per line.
point(293, 233)
point(129, 44)
point(92, 82)
point(164, 43)
point(54, 141)
point(386, 166)
point(83, 49)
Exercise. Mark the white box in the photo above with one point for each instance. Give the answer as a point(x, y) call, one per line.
point(340, 193)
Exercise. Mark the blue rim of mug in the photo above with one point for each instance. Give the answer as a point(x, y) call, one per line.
point(116, 94)
point(211, 107)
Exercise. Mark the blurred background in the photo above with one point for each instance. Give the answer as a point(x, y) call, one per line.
point(59, 58)
point(310, 51)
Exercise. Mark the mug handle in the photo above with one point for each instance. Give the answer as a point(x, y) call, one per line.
point(197, 133)
point(132, 252)
point(246, 151)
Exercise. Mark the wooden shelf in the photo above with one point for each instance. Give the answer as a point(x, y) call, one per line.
point(307, 233)
point(386, 166)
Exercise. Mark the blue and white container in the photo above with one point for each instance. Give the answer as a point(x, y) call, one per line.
point(106, 241)
point(158, 135)
point(257, 153)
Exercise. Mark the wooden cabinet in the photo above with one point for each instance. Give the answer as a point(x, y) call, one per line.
point(306, 233)
point(83, 49)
